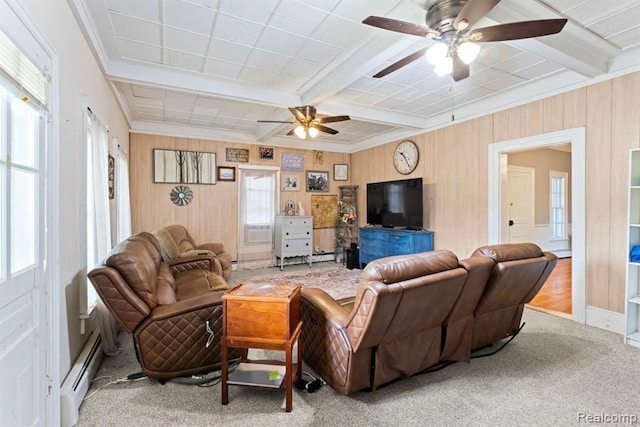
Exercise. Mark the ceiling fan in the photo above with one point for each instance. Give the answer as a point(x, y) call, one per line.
point(308, 124)
point(450, 22)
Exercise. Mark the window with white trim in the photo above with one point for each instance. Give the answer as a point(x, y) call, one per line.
point(558, 205)
point(98, 221)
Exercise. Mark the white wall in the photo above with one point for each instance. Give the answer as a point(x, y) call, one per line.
point(79, 77)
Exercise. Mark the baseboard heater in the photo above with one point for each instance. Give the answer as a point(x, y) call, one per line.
point(77, 382)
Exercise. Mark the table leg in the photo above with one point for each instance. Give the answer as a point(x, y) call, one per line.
point(225, 372)
point(289, 378)
point(299, 370)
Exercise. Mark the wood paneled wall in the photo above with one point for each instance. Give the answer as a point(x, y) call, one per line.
point(454, 161)
point(212, 216)
point(453, 164)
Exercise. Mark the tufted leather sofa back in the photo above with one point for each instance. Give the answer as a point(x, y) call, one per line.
point(520, 271)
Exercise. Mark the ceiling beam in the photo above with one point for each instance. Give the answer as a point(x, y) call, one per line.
point(574, 48)
point(194, 83)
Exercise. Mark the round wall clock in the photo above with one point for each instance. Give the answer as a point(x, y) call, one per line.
point(405, 157)
point(181, 195)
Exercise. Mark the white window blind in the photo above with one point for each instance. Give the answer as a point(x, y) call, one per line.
point(23, 73)
point(558, 214)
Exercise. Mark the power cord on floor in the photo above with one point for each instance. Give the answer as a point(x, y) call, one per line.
point(515, 334)
point(129, 378)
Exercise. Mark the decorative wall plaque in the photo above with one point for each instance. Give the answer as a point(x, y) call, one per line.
point(292, 162)
point(240, 155)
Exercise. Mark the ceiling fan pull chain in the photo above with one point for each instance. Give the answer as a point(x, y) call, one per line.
point(453, 117)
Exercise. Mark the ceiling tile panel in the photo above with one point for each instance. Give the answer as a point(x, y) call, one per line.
point(517, 62)
point(222, 69)
point(303, 68)
point(289, 82)
point(188, 16)
point(274, 40)
point(267, 61)
point(339, 31)
point(184, 60)
point(236, 30)
point(503, 83)
point(136, 29)
point(323, 53)
point(627, 39)
point(147, 92)
point(249, 10)
point(229, 52)
point(256, 75)
point(539, 70)
point(297, 18)
point(145, 9)
point(184, 41)
point(368, 99)
point(140, 52)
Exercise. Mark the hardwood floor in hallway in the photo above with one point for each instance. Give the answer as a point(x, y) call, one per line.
point(555, 294)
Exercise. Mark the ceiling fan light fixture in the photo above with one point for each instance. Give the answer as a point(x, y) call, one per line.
point(300, 132)
point(444, 67)
point(468, 52)
point(313, 132)
point(437, 53)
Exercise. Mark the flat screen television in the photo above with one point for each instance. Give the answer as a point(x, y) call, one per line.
point(395, 203)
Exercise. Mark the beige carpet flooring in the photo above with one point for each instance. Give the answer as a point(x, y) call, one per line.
point(555, 373)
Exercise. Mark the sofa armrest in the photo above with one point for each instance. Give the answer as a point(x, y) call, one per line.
point(333, 311)
point(188, 305)
point(203, 261)
point(216, 248)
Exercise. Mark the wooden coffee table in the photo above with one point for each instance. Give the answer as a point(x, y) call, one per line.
point(264, 317)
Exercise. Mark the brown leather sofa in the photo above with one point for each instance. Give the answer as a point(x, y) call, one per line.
point(394, 327)
point(519, 272)
point(412, 312)
point(175, 241)
point(167, 306)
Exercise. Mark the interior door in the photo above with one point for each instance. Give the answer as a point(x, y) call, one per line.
point(22, 334)
point(521, 203)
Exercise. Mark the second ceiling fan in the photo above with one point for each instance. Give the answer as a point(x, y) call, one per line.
point(308, 124)
point(450, 22)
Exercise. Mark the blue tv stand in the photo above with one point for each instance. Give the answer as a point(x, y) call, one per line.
point(378, 242)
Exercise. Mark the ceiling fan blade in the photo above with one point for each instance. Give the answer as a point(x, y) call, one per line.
point(460, 69)
point(299, 115)
point(333, 119)
point(472, 11)
point(273, 121)
point(518, 30)
point(404, 61)
point(325, 129)
point(400, 26)
point(291, 132)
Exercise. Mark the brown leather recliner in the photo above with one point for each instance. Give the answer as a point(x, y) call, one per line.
point(393, 329)
point(167, 306)
point(520, 271)
point(175, 241)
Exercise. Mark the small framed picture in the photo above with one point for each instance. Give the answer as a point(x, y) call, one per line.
point(111, 171)
point(318, 181)
point(340, 172)
point(226, 173)
point(290, 183)
point(266, 153)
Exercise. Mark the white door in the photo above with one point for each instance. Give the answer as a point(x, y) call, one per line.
point(23, 341)
point(521, 203)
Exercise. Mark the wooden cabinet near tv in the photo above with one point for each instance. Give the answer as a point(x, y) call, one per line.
point(379, 242)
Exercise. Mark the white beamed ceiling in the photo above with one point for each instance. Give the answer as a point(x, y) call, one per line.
point(211, 68)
